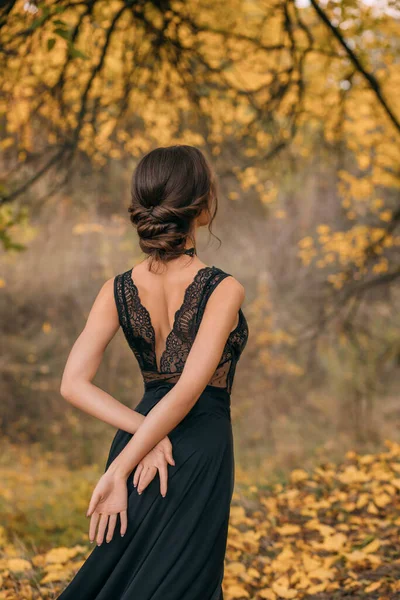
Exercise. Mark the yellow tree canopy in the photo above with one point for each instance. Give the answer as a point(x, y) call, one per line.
point(242, 79)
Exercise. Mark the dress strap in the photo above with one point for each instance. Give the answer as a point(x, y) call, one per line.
point(125, 303)
point(119, 297)
point(217, 276)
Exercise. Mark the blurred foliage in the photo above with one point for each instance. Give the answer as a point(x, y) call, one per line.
point(107, 80)
point(327, 534)
point(10, 219)
point(303, 390)
point(44, 502)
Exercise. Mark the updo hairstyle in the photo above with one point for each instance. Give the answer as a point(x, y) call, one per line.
point(171, 187)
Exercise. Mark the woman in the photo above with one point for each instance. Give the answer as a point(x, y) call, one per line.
point(163, 538)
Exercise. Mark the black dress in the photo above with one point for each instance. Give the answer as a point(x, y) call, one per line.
point(174, 547)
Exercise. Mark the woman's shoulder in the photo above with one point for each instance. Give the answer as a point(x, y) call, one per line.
point(229, 282)
point(114, 286)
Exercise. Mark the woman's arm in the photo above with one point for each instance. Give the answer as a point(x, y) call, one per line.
point(218, 320)
point(84, 360)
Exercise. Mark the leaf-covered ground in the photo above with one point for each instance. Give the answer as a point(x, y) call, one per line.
point(329, 534)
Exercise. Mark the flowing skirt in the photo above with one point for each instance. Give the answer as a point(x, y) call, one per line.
point(174, 547)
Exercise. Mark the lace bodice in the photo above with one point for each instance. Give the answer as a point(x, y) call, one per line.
point(139, 332)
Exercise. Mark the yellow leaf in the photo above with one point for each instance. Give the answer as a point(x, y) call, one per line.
point(298, 475)
point(62, 555)
point(284, 592)
point(372, 509)
point(6, 143)
point(357, 556)
point(60, 575)
point(237, 591)
point(385, 215)
point(374, 586)
point(253, 573)
point(372, 547)
point(267, 594)
point(306, 242)
point(310, 564)
point(235, 568)
point(18, 565)
point(334, 542)
point(322, 574)
point(288, 529)
point(46, 327)
point(39, 560)
point(362, 500)
point(353, 475)
point(382, 500)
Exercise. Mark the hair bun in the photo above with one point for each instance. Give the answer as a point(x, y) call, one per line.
point(171, 187)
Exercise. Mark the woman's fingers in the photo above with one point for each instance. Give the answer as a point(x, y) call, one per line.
point(95, 499)
point(136, 476)
point(163, 471)
point(169, 457)
point(142, 483)
point(111, 528)
point(146, 477)
point(102, 527)
point(93, 525)
point(101, 520)
point(124, 522)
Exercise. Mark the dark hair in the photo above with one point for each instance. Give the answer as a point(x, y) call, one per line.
point(171, 187)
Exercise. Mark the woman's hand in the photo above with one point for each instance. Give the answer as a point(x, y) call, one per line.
point(156, 460)
point(109, 498)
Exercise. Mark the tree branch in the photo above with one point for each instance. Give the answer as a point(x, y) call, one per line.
point(369, 77)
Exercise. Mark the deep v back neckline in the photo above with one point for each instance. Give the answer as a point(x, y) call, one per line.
point(193, 282)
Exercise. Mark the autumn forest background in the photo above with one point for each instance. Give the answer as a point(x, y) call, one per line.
point(296, 105)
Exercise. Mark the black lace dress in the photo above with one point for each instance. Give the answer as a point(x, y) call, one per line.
point(174, 547)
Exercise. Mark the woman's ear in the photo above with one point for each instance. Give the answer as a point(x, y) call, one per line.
point(203, 218)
